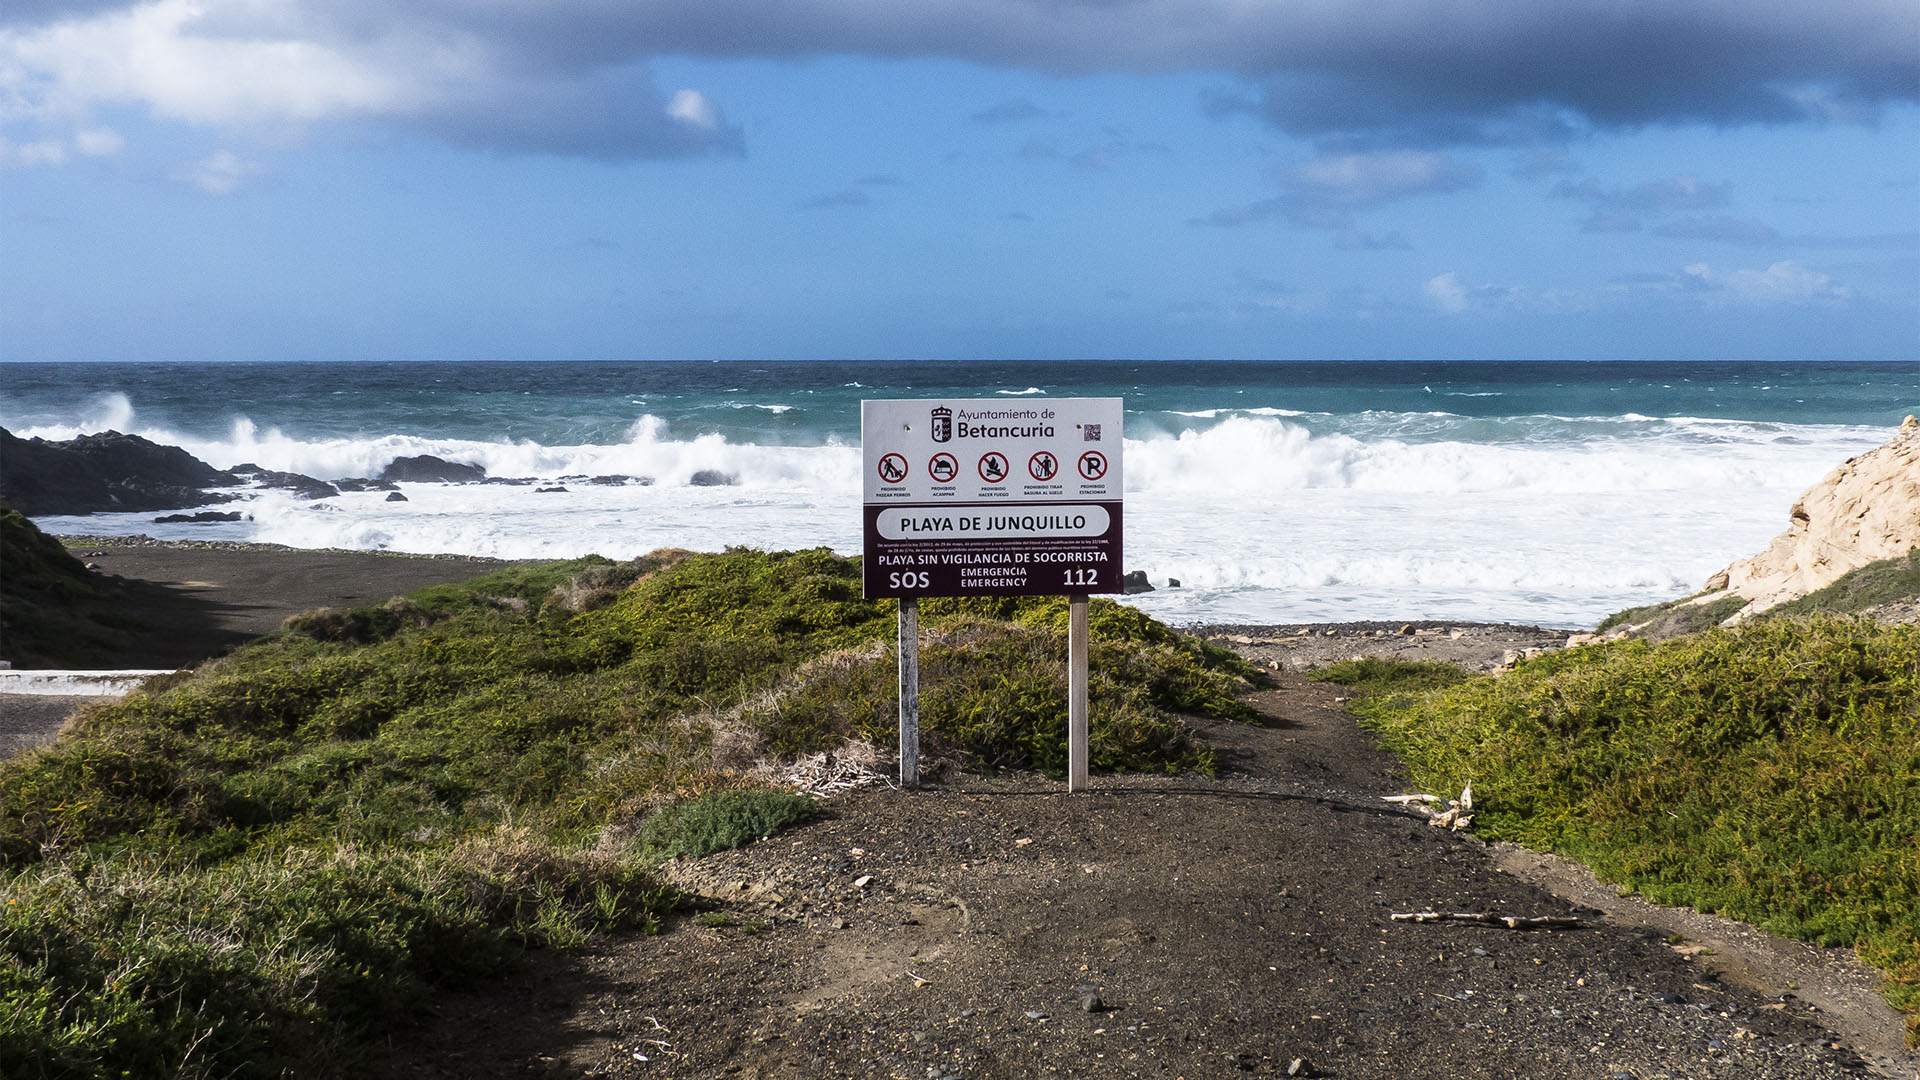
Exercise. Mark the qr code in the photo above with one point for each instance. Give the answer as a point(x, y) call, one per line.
point(1090, 432)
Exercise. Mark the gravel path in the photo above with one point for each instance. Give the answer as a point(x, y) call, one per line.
point(994, 927)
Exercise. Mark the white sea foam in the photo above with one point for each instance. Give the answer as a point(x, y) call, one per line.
point(1021, 393)
point(1264, 518)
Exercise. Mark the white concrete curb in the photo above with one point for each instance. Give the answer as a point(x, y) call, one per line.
point(75, 683)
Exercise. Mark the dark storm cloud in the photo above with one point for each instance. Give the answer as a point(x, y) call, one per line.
point(1354, 76)
point(607, 114)
point(1408, 71)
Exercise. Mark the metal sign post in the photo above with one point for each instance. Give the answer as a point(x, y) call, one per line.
point(909, 692)
point(987, 497)
point(1076, 693)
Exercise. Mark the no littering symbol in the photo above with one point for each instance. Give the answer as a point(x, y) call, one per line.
point(943, 468)
point(1093, 465)
point(893, 468)
point(1043, 465)
point(993, 467)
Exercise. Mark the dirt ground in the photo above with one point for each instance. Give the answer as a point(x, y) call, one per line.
point(201, 599)
point(995, 927)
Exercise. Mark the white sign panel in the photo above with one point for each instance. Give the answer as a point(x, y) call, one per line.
point(965, 496)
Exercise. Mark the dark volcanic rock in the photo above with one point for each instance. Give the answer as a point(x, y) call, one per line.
point(712, 478)
point(300, 484)
point(425, 468)
point(1135, 581)
point(361, 483)
point(201, 518)
point(104, 472)
point(394, 496)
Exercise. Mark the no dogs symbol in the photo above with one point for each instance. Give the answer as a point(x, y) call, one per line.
point(943, 468)
point(893, 468)
point(1093, 465)
point(993, 467)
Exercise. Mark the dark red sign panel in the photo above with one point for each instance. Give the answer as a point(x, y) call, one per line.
point(949, 552)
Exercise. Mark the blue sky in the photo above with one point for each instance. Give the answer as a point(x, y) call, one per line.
point(298, 179)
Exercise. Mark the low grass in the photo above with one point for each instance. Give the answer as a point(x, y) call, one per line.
point(720, 821)
point(1883, 582)
point(1770, 772)
point(1674, 617)
point(1378, 675)
point(255, 868)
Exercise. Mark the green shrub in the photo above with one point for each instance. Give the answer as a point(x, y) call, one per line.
point(1378, 675)
point(278, 963)
point(1771, 772)
point(721, 821)
point(54, 612)
point(341, 787)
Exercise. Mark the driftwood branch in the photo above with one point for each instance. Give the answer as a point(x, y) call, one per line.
point(1487, 918)
point(1458, 814)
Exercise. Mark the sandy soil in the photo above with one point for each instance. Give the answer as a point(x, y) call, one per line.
point(201, 599)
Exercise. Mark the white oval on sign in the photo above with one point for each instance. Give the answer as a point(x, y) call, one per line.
point(990, 522)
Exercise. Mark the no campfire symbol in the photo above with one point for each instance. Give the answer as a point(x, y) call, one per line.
point(993, 467)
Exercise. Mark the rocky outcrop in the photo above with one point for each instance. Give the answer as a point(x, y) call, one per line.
point(1866, 510)
point(427, 469)
point(302, 485)
point(103, 473)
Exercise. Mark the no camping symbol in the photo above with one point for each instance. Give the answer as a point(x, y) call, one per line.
point(1093, 465)
point(893, 468)
point(943, 468)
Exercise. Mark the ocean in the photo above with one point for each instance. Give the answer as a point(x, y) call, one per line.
point(1550, 493)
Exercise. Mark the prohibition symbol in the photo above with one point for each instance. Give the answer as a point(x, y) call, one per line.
point(1093, 465)
point(993, 467)
point(942, 467)
point(893, 468)
point(1043, 465)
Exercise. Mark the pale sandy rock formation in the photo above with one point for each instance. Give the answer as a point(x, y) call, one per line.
point(1866, 510)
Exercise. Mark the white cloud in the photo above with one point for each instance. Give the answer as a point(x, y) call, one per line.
point(1325, 192)
point(1784, 283)
point(1445, 292)
point(286, 64)
point(98, 142)
point(15, 155)
point(219, 173)
point(692, 107)
point(175, 57)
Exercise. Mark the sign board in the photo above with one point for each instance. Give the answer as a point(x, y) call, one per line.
point(990, 497)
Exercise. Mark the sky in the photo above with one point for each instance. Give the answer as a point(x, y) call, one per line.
point(954, 179)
